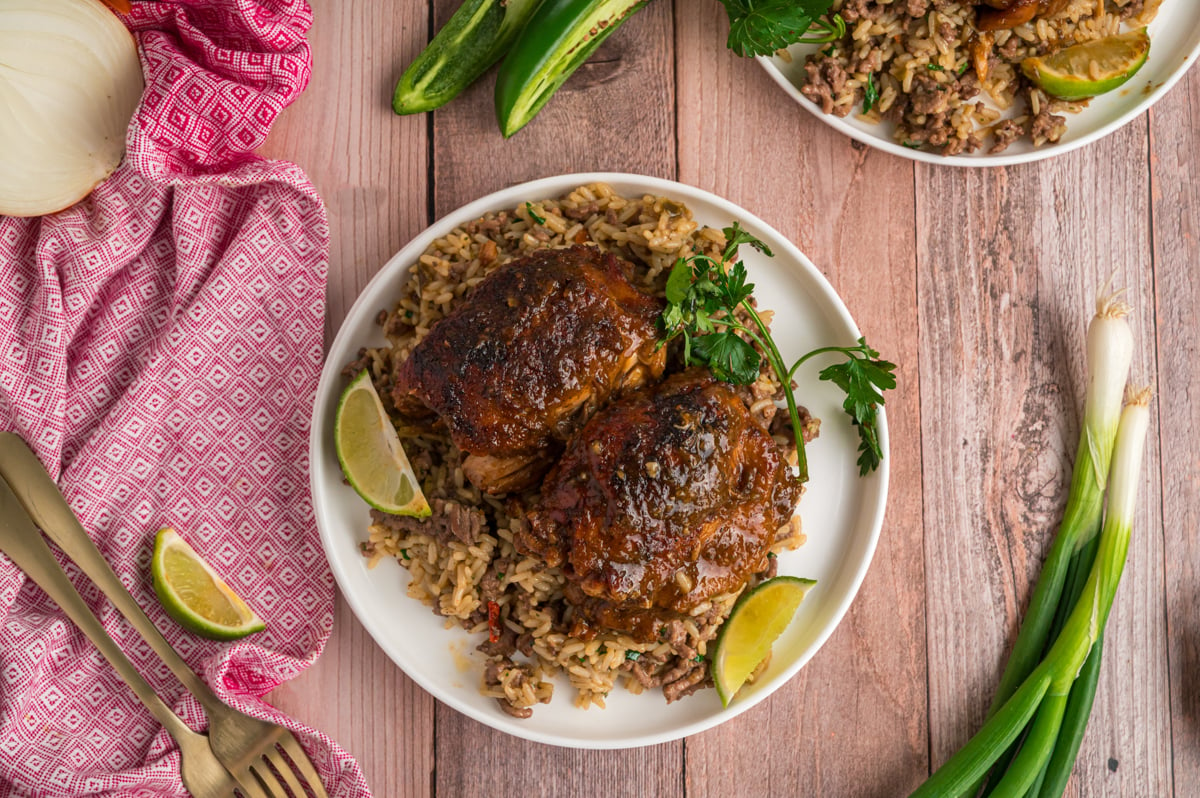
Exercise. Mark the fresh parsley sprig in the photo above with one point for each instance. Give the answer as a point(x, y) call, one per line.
point(863, 377)
point(760, 27)
point(703, 294)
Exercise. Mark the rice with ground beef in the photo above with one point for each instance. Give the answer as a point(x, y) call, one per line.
point(921, 66)
point(462, 560)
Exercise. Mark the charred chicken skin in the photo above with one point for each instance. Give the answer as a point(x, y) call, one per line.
point(538, 346)
point(665, 499)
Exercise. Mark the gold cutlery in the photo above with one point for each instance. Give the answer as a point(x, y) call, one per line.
point(202, 774)
point(262, 756)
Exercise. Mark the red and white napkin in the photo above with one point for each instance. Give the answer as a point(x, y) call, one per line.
point(160, 345)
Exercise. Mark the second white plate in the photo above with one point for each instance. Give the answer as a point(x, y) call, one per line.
point(1174, 46)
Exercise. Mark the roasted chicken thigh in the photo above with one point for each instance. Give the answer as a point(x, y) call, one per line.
point(538, 346)
point(666, 498)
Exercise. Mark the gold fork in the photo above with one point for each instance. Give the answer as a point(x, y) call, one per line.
point(202, 774)
point(262, 756)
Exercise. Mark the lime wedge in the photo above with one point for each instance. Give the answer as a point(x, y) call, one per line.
point(1091, 68)
point(755, 622)
point(371, 455)
point(194, 595)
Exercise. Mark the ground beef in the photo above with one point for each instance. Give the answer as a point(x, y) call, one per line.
point(854, 10)
point(490, 588)
point(520, 713)
point(871, 62)
point(916, 8)
point(504, 645)
point(450, 520)
point(492, 678)
point(581, 212)
point(1005, 134)
point(491, 225)
point(1133, 9)
point(929, 96)
point(896, 111)
point(966, 85)
point(1046, 125)
point(652, 673)
point(825, 79)
point(695, 679)
point(1010, 47)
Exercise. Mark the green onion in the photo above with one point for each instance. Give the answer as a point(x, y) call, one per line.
point(533, 214)
point(1045, 692)
point(1079, 707)
point(870, 93)
point(1042, 703)
point(1109, 352)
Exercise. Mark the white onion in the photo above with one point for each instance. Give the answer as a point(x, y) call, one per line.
point(70, 81)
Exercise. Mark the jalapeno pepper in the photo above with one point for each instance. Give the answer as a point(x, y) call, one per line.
point(478, 34)
point(558, 38)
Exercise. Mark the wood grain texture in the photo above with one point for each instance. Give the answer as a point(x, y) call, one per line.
point(1175, 136)
point(368, 165)
point(478, 761)
point(616, 113)
point(851, 212)
point(1003, 311)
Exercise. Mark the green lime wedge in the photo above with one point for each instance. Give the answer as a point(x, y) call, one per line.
point(753, 626)
point(194, 595)
point(371, 455)
point(1091, 68)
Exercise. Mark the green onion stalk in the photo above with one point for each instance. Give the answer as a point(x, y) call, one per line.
point(1109, 352)
point(1040, 709)
point(1040, 702)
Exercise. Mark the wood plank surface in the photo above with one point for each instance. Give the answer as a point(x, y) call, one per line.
point(1003, 318)
point(978, 282)
point(370, 168)
point(1175, 138)
point(792, 179)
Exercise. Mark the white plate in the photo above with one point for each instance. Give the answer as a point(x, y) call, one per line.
point(841, 513)
point(1174, 46)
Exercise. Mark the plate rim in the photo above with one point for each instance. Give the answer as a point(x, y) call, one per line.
point(986, 160)
point(327, 391)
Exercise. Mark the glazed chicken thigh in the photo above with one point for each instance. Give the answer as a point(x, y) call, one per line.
point(538, 346)
point(666, 498)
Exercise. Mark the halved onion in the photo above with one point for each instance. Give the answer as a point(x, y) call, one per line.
point(70, 82)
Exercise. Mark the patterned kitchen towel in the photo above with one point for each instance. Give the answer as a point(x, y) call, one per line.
point(160, 344)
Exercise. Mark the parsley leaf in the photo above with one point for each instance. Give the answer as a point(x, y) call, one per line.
point(703, 296)
point(728, 357)
point(760, 27)
point(864, 378)
point(735, 236)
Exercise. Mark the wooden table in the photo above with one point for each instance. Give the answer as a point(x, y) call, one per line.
point(977, 282)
